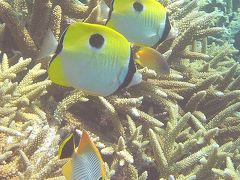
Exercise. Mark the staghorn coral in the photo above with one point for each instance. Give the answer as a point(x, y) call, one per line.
point(23, 124)
point(202, 76)
point(184, 125)
point(228, 12)
point(229, 172)
point(27, 22)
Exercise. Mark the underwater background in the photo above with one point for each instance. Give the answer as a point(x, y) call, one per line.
point(185, 125)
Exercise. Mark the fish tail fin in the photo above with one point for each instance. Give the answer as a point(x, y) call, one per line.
point(48, 46)
point(47, 49)
point(137, 78)
point(173, 33)
point(104, 9)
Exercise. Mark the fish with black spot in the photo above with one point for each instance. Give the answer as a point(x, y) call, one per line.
point(97, 59)
point(93, 58)
point(142, 22)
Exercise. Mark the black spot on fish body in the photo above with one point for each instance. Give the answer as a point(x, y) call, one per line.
point(138, 6)
point(96, 41)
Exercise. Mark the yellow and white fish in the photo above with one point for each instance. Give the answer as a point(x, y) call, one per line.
point(86, 162)
point(142, 22)
point(95, 59)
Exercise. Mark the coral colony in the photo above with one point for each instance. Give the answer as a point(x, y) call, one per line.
point(185, 125)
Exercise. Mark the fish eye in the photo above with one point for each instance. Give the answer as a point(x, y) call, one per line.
point(138, 6)
point(96, 40)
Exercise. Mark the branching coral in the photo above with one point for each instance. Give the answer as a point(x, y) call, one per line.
point(29, 143)
point(184, 125)
point(182, 115)
point(29, 31)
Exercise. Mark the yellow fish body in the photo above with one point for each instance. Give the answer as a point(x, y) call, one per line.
point(93, 58)
point(142, 22)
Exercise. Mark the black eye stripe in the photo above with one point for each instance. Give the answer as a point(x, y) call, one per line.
point(138, 6)
point(96, 40)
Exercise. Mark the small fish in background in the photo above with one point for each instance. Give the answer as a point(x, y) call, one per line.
point(86, 162)
point(142, 22)
point(151, 58)
point(93, 58)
